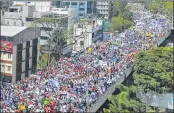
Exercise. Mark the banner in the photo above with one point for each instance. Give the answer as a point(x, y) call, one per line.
point(6, 46)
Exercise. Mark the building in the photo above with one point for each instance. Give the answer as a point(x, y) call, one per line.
point(19, 52)
point(2, 17)
point(67, 16)
point(39, 6)
point(87, 32)
point(83, 8)
point(24, 15)
point(104, 9)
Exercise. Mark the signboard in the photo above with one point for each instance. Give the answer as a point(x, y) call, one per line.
point(6, 46)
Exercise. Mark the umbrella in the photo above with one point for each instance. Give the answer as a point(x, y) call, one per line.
point(45, 101)
point(75, 109)
point(63, 93)
point(22, 107)
point(54, 83)
point(73, 95)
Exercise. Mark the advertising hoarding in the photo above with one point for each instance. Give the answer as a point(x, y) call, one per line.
point(6, 46)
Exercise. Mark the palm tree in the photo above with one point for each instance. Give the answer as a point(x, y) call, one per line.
point(125, 101)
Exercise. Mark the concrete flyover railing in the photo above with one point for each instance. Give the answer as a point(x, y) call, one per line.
point(95, 106)
point(161, 40)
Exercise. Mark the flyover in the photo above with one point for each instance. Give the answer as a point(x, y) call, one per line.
point(94, 107)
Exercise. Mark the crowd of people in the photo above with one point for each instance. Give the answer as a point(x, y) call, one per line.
point(74, 83)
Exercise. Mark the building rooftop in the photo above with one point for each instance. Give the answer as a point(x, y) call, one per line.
point(11, 30)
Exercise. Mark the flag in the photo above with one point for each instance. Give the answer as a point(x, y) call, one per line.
point(97, 60)
point(90, 50)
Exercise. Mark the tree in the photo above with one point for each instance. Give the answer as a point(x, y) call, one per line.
point(58, 34)
point(125, 101)
point(161, 7)
point(154, 70)
point(53, 27)
point(127, 24)
point(126, 14)
point(122, 18)
point(5, 5)
point(118, 7)
point(154, 6)
point(43, 61)
point(119, 23)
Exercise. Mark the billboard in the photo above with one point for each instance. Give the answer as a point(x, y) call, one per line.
point(6, 46)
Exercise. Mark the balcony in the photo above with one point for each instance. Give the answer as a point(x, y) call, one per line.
point(13, 15)
point(102, 7)
point(104, 12)
point(102, 3)
point(81, 6)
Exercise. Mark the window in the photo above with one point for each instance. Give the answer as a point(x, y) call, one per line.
point(20, 47)
point(35, 41)
point(18, 77)
point(81, 9)
point(27, 53)
point(74, 3)
point(9, 68)
point(29, 19)
point(81, 3)
point(3, 68)
point(3, 13)
point(81, 43)
point(7, 22)
point(28, 44)
point(9, 55)
point(14, 23)
point(44, 38)
point(80, 14)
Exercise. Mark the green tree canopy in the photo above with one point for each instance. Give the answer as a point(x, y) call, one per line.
point(44, 61)
point(59, 36)
point(122, 18)
point(119, 23)
point(161, 7)
point(125, 101)
point(154, 70)
point(118, 7)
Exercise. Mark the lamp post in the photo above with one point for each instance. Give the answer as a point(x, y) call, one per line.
point(87, 71)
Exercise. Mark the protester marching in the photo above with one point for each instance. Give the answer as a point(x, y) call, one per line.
point(74, 83)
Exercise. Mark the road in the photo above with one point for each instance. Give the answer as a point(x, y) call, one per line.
point(103, 100)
